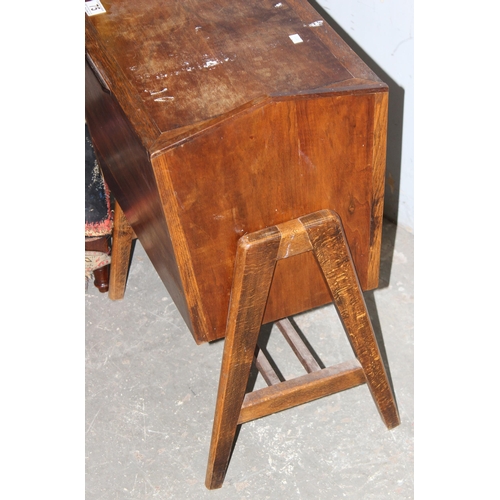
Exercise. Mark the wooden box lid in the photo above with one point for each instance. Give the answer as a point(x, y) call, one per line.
point(180, 63)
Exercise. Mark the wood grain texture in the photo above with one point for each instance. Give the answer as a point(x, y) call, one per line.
point(273, 163)
point(200, 318)
point(211, 123)
point(219, 137)
point(340, 274)
point(126, 166)
point(300, 390)
point(183, 61)
point(254, 267)
point(378, 184)
point(121, 248)
point(256, 258)
point(298, 346)
point(266, 369)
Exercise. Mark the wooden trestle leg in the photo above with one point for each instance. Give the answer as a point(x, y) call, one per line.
point(123, 234)
point(256, 257)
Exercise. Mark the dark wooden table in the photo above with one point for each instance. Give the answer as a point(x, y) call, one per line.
point(213, 119)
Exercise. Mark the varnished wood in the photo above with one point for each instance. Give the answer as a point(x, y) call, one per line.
point(253, 272)
point(124, 161)
point(273, 164)
point(211, 105)
point(342, 280)
point(218, 135)
point(300, 390)
point(101, 279)
point(294, 240)
point(123, 235)
point(321, 235)
point(230, 52)
point(298, 346)
point(266, 369)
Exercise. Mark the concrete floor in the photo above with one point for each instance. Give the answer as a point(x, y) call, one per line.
point(150, 395)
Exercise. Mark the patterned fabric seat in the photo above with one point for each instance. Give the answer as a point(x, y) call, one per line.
point(98, 220)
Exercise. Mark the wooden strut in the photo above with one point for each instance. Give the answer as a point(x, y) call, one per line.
point(123, 234)
point(256, 257)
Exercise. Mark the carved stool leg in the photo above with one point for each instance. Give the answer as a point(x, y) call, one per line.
point(123, 234)
point(256, 258)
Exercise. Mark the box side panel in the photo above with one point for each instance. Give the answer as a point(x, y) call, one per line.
point(128, 172)
point(380, 117)
point(266, 166)
point(200, 325)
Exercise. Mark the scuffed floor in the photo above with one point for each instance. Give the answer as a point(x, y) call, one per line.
point(150, 395)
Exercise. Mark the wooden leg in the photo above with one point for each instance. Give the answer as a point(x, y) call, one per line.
point(256, 258)
point(254, 268)
point(123, 234)
point(331, 250)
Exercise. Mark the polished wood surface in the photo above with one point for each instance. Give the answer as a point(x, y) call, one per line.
point(188, 61)
point(321, 235)
point(121, 249)
point(209, 122)
point(298, 346)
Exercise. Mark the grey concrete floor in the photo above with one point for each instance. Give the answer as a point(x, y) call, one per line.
point(150, 396)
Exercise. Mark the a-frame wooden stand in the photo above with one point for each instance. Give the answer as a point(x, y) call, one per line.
point(256, 257)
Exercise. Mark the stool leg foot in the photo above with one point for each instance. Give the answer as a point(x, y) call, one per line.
point(332, 252)
point(254, 268)
point(101, 279)
point(123, 234)
point(101, 275)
